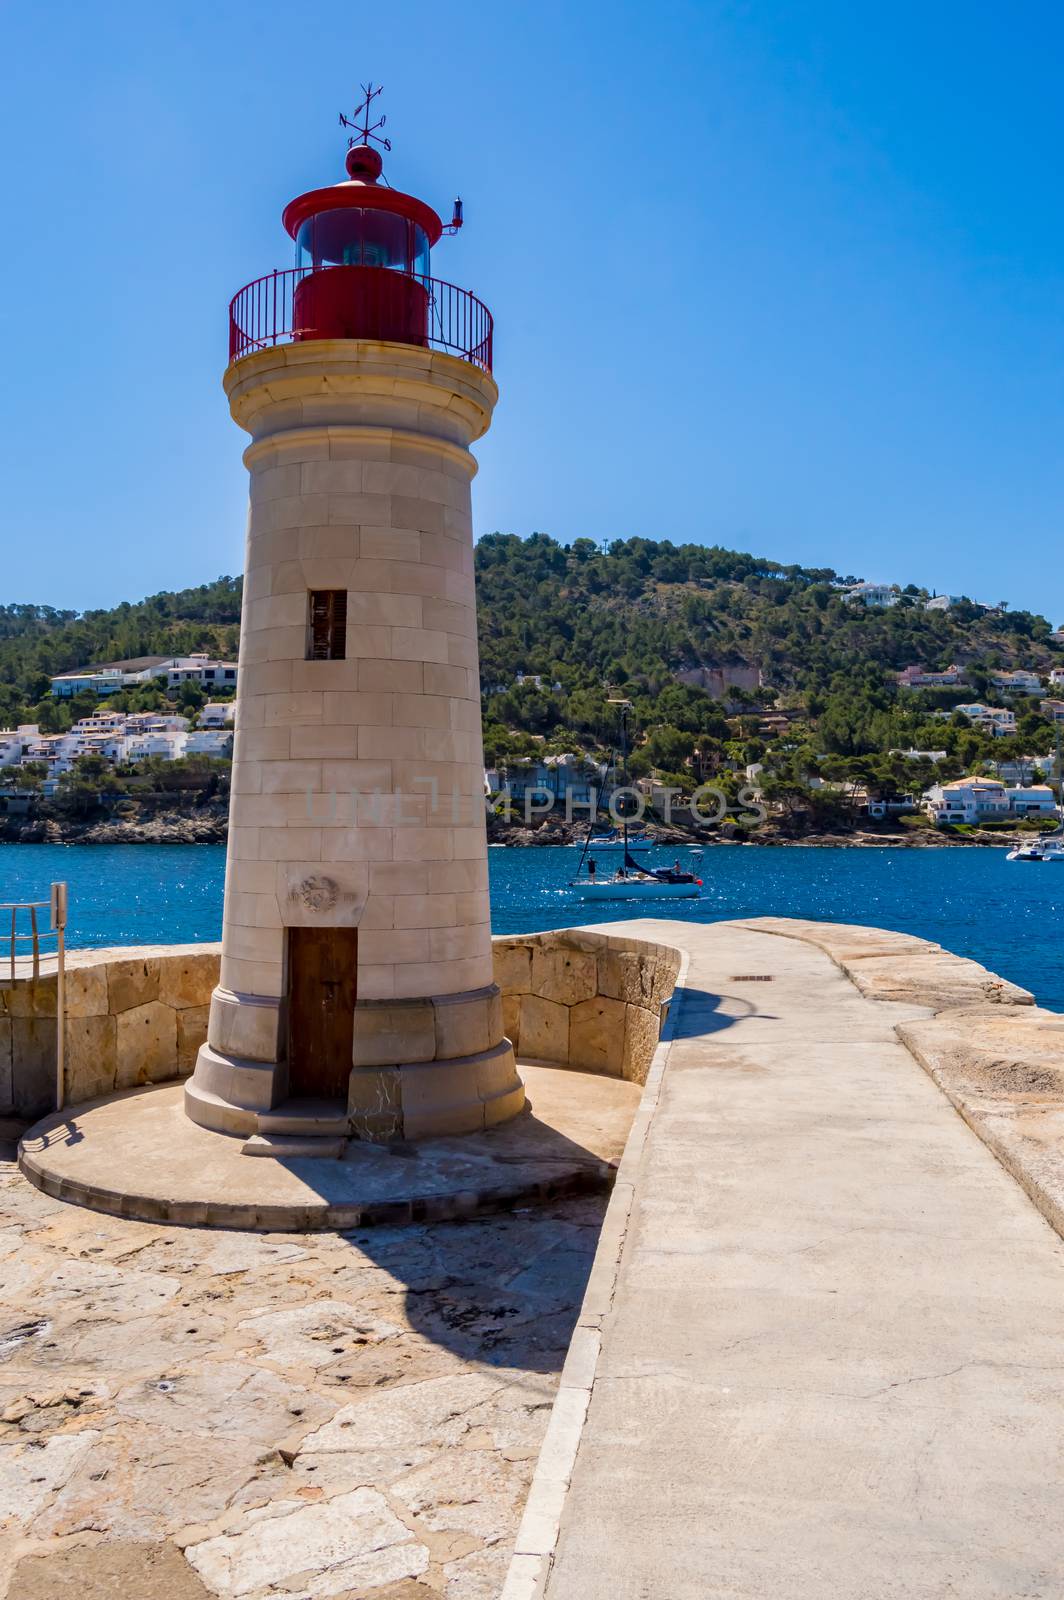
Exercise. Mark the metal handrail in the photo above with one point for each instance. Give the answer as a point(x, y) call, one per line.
point(260, 316)
point(32, 938)
point(57, 917)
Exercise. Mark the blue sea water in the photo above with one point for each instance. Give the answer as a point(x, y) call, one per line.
point(973, 901)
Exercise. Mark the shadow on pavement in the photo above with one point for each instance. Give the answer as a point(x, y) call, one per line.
point(699, 1013)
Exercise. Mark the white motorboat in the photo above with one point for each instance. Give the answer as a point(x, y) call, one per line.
point(1049, 848)
point(1046, 846)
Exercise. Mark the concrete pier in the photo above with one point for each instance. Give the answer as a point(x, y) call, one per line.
point(819, 1353)
point(822, 1351)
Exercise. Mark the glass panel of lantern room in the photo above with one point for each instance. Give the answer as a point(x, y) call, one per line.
point(358, 237)
point(419, 251)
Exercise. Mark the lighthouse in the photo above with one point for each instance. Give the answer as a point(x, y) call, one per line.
point(356, 992)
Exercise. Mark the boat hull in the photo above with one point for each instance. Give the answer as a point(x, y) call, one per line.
point(638, 889)
point(614, 844)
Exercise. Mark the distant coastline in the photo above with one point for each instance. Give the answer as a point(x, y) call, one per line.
point(210, 825)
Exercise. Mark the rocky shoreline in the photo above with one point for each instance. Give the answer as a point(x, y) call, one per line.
point(210, 826)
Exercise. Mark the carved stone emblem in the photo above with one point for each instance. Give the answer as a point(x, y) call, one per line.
point(318, 894)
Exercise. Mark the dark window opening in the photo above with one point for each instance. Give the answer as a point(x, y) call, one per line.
point(327, 627)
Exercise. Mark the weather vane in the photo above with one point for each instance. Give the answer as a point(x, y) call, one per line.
point(365, 129)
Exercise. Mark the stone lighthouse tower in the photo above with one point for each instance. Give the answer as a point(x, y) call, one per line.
point(356, 987)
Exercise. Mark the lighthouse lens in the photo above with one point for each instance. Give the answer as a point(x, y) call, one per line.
point(360, 237)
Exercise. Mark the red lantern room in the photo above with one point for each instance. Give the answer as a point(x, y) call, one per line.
point(365, 251)
point(362, 268)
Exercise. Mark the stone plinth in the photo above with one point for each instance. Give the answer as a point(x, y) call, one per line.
point(137, 1155)
point(357, 794)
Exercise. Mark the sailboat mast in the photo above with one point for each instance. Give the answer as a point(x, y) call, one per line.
point(624, 777)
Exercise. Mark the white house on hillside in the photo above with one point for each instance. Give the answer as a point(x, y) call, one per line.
point(111, 676)
point(216, 742)
point(107, 677)
point(13, 741)
point(108, 680)
point(201, 669)
point(155, 722)
point(986, 800)
point(1020, 682)
point(217, 714)
point(873, 594)
point(992, 719)
point(168, 745)
point(967, 800)
point(917, 677)
point(1022, 769)
point(1037, 801)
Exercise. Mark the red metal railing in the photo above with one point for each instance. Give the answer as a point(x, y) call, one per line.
point(261, 315)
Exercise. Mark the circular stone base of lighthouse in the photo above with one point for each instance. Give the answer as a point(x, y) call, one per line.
point(420, 1068)
point(137, 1155)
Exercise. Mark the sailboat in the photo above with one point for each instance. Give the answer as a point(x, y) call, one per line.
point(631, 880)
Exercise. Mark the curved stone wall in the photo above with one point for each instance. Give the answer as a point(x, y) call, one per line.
point(595, 1001)
point(134, 1016)
point(588, 1000)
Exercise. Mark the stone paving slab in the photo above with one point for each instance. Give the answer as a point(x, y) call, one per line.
point(137, 1155)
point(265, 1417)
point(827, 1353)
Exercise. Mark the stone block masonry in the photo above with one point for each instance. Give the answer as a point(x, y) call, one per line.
point(357, 795)
point(133, 1017)
point(590, 1000)
point(578, 998)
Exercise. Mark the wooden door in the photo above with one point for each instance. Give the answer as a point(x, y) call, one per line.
point(322, 969)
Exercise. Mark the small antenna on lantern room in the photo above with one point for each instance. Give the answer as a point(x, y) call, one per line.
point(365, 129)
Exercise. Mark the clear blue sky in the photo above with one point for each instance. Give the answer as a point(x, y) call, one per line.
point(785, 276)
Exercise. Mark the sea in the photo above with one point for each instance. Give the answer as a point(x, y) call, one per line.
point(1008, 915)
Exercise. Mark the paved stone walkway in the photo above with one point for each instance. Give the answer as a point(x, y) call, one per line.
point(190, 1414)
point(834, 1364)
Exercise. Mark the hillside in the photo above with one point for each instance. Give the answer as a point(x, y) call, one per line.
point(811, 676)
point(642, 614)
point(37, 641)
